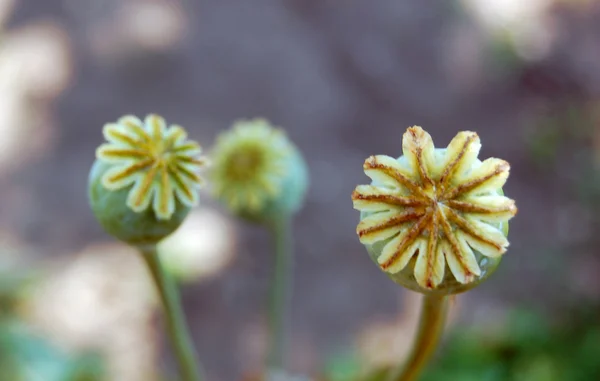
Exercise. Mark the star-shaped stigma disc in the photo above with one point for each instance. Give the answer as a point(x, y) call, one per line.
point(443, 205)
point(157, 161)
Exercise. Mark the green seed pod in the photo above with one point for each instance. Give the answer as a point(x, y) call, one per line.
point(257, 173)
point(144, 180)
point(435, 220)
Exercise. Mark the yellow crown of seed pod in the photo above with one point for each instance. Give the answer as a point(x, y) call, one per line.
point(435, 220)
point(257, 172)
point(145, 179)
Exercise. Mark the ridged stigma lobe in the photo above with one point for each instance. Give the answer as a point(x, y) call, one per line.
point(437, 204)
point(157, 161)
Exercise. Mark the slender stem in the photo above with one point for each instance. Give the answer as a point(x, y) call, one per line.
point(280, 292)
point(177, 328)
point(431, 326)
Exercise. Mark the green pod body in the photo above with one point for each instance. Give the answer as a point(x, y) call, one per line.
point(449, 285)
point(289, 200)
point(117, 219)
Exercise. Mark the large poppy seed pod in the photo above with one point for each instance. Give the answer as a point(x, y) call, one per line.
point(144, 180)
point(435, 220)
point(257, 172)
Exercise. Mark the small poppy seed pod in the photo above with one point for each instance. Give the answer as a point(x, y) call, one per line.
point(257, 172)
point(435, 220)
point(144, 180)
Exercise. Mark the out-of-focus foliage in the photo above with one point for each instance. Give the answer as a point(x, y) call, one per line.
point(275, 376)
point(528, 349)
point(342, 367)
point(24, 356)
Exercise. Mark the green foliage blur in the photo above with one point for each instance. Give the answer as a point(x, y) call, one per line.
point(529, 348)
point(26, 357)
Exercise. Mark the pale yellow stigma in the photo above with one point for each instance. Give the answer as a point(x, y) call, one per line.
point(245, 163)
point(442, 205)
point(159, 161)
point(249, 164)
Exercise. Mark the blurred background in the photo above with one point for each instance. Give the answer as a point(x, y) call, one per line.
point(344, 78)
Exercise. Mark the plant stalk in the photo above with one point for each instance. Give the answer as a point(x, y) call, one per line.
point(433, 317)
point(280, 292)
point(177, 328)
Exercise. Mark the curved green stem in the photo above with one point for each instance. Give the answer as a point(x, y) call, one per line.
point(174, 318)
point(431, 326)
point(280, 292)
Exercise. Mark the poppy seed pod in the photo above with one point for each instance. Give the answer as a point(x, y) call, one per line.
point(435, 220)
point(144, 180)
point(257, 172)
